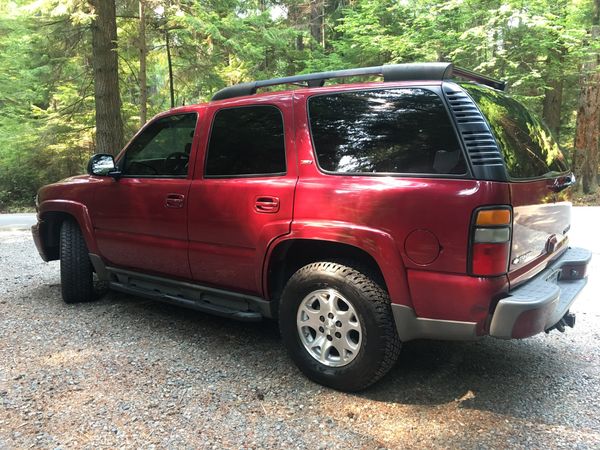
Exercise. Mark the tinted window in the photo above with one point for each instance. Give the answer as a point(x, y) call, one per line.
point(246, 141)
point(162, 149)
point(527, 145)
point(384, 131)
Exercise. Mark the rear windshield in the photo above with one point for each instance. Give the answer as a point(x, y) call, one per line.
point(386, 131)
point(528, 147)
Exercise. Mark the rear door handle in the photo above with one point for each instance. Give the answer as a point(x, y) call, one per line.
point(266, 204)
point(174, 200)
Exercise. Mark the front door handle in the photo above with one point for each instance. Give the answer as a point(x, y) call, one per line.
point(174, 201)
point(266, 204)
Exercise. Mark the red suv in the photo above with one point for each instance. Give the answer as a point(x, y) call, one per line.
point(360, 215)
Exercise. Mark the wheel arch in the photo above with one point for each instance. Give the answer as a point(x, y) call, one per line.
point(51, 216)
point(293, 252)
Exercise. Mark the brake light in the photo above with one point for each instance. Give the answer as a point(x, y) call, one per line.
point(490, 241)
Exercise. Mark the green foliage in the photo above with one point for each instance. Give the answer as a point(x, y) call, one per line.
point(46, 83)
point(46, 116)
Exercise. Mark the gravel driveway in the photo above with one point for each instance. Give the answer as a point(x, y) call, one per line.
point(126, 372)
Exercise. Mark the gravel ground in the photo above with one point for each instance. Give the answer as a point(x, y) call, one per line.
point(126, 372)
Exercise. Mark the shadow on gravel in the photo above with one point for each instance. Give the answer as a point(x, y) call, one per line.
point(180, 321)
point(516, 378)
point(528, 379)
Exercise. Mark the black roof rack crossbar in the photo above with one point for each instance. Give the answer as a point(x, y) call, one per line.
point(393, 72)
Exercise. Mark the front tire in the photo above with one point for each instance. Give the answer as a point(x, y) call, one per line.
point(76, 274)
point(337, 324)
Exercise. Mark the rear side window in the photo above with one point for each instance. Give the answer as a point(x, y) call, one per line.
point(405, 130)
point(527, 145)
point(246, 141)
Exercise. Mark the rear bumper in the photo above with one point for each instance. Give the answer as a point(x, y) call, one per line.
point(541, 302)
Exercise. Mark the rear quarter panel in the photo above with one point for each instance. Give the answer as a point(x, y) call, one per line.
point(394, 206)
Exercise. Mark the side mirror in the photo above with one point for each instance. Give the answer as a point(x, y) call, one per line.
point(102, 164)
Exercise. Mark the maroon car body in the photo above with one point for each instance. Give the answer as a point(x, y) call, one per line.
point(243, 236)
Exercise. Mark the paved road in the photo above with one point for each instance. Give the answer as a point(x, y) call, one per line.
point(126, 372)
point(585, 228)
point(16, 221)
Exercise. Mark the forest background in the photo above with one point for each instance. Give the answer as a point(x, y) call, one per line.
point(79, 77)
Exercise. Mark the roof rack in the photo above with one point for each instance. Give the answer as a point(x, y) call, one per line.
point(393, 72)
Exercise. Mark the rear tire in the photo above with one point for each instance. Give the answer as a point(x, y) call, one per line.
point(76, 273)
point(337, 325)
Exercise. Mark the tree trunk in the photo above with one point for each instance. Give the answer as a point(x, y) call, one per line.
point(322, 23)
point(553, 93)
point(170, 64)
point(109, 125)
point(585, 156)
point(143, 54)
point(316, 25)
point(295, 18)
point(552, 105)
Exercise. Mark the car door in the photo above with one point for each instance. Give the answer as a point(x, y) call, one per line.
point(140, 219)
point(242, 195)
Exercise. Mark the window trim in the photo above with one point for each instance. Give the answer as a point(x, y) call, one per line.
point(123, 155)
point(246, 175)
point(466, 175)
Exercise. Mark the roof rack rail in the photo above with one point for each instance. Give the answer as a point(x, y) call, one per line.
point(477, 77)
point(392, 72)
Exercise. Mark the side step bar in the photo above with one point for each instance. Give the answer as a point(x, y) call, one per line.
point(211, 300)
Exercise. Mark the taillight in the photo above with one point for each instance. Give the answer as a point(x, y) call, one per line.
point(490, 241)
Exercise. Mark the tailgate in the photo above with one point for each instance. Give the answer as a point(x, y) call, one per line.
point(541, 220)
point(538, 179)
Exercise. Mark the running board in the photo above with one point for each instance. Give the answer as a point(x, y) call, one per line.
point(214, 301)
